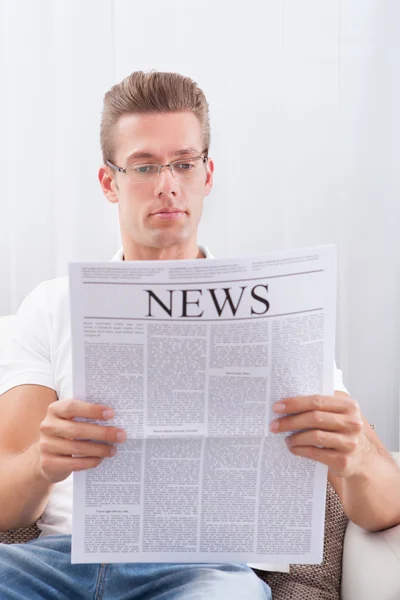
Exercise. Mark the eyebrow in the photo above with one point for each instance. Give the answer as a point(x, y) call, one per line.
point(182, 152)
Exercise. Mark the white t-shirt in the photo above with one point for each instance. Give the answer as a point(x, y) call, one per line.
point(39, 352)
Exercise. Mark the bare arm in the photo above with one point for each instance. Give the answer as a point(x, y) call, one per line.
point(23, 490)
point(371, 498)
point(38, 443)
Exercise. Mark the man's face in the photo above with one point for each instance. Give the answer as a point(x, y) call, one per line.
point(165, 212)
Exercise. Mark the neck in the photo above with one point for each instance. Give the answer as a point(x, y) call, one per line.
point(178, 252)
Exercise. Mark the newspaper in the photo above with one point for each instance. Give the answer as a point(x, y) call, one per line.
point(191, 355)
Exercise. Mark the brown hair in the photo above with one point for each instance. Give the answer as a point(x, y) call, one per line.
point(151, 92)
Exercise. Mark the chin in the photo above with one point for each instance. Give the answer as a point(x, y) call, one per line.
point(166, 239)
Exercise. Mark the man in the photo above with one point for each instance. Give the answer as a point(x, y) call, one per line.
point(155, 138)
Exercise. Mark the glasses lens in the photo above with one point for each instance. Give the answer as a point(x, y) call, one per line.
point(142, 172)
point(188, 169)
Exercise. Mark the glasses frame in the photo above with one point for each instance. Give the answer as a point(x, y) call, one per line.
point(169, 165)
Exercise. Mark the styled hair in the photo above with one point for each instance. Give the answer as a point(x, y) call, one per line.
point(147, 93)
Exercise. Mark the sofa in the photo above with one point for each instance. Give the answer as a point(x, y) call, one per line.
point(357, 565)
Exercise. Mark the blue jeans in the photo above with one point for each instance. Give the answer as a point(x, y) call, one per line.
point(42, 570)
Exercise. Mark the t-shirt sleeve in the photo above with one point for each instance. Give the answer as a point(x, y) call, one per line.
point(25, 356)
point(338, 385)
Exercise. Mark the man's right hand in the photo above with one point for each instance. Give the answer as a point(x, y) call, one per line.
point(60, 438)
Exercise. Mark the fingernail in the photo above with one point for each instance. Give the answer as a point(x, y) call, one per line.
point(108, 414)
point(121, 436)
point(279, 408)
point(113, 451)
point(274, 426)
point(288, 441)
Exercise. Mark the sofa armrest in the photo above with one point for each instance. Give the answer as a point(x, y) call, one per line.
point(371, 563)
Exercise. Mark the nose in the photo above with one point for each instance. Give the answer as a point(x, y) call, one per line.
point(167, 183)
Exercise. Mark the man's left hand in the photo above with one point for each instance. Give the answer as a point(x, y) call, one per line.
point(329, 429)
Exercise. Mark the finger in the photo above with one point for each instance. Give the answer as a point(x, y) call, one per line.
point(324, 439)
point(72, 408)
point(79, 430)
point(60, 446)
point(318, 420)
point(51, 463)
point(334, 404)
point(336, 461)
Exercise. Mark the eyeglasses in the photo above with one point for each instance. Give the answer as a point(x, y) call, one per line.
point(187, 169)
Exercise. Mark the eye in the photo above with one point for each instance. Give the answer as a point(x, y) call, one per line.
point(185, 166)
point(145, 169)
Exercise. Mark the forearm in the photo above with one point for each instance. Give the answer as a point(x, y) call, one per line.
point(371, 499)
point(23, 490)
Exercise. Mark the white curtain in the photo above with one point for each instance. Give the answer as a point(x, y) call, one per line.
point(304, 101)
point(56, 63)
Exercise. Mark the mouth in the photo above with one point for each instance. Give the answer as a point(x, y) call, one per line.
point(168, 214)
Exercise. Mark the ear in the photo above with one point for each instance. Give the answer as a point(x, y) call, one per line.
point(108, 184)
point(210, 177)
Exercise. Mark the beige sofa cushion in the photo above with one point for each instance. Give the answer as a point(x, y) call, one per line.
point(371, 563)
